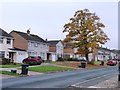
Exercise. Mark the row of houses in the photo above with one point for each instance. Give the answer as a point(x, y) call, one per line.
point(18, 45)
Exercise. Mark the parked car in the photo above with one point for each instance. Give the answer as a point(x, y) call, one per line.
point(111, 62)
point(33, 60)
point(117, 59)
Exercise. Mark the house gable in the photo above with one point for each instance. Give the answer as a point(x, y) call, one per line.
point(19, 41)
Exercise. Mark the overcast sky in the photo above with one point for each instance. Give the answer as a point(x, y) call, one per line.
point(47, 19)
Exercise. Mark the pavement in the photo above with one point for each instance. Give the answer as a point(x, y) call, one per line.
point(111, 83)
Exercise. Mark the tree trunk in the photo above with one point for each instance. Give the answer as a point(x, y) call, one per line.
point(86, 54)
point(87, 58)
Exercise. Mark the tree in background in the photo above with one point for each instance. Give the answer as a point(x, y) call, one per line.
point(85, 32)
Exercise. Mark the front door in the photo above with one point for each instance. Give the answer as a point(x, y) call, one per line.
point(11, 56)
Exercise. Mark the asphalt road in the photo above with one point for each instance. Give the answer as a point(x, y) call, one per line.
point(85, 77)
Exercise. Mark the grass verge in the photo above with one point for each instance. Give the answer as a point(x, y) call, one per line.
point(10, 66)
point(9, 73)
point(49, 69)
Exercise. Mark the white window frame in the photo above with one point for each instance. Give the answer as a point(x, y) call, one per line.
point(8, 41)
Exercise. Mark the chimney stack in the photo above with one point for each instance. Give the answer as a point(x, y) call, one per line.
point(46, 40)
point(28, 31)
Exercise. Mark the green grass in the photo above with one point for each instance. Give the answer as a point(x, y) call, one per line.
point(97, 62)
point(10, 66)
point(8, 73)
point(48, 69)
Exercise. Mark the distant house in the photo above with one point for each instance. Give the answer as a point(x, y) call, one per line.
point(33, 44)
point(102, 54)
point(115, 54)
point(55, 50)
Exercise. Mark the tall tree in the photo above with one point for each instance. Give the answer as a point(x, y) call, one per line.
point(85, 32)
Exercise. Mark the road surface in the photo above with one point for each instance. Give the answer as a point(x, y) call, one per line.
point(84, 77)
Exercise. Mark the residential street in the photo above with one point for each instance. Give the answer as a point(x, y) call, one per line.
point(83, 78)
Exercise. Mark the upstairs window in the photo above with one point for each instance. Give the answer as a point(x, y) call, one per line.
point(8, 41)
point(1, 40)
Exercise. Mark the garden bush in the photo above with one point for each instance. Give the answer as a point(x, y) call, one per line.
point(5, 61)
point(60, 59)
point(72, 59)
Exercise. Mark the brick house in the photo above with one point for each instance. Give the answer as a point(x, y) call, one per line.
point(35, 45)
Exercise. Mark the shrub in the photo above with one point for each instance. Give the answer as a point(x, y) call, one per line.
point(5, 61)
point(60, 59)
point(47, 61)
point(72, 59)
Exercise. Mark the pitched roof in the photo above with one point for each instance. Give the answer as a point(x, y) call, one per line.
point(4, 33)
point(53, 42)
point(31, 37)
point(102, 48)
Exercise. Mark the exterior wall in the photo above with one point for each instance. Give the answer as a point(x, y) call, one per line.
point(68, 50)
point(68, 53)
point(91, 56)
point(59, 49)
point(113, 55)
point(77, 55)
point(4, 46)
point(38, 49)
point(19, 42)
point(52, 49)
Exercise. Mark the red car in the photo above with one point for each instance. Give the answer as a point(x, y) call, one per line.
point(33, 60)
point(111, 63)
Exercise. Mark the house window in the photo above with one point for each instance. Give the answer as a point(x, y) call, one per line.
point(1, 40)
point(8, 41)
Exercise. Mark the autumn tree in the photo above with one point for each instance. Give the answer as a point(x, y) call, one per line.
point(85, 32)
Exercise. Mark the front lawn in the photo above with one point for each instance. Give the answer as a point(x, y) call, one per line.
point(67, 63)
point(99, 62)
point(8, 73)
point(48, 69)
point(10, 66)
